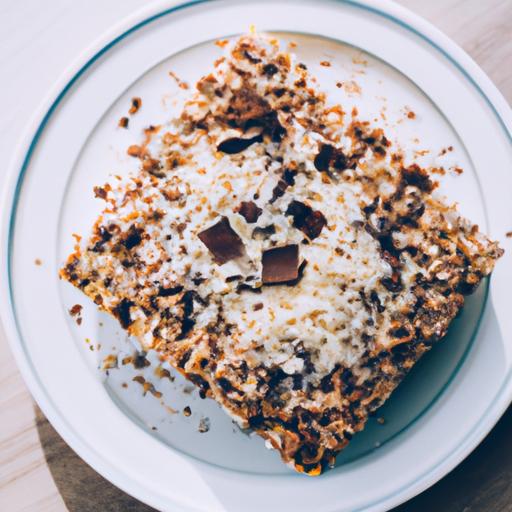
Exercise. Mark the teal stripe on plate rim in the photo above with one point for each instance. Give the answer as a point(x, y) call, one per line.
point(181, 7)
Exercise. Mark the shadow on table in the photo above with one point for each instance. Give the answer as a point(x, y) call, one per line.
point(483, 482)
point(81, 488)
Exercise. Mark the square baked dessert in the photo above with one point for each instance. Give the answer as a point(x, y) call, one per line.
point(280, 255)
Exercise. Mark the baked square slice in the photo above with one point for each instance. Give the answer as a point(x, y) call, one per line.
point(282, 257)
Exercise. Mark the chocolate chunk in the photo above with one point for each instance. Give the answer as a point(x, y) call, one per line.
point(222, 241)
point(287, 180)
point(323, 158)
point(314, 224)
point(393, 283)
point(104, 235)
point(84, 282)
point(270, 69)
point(400, 332)
point(374, 297)
point(309, 221)
point(247, 287)
point(280, 264)
point(416, 176)
point(133, 237)
point(169, 292)
point(328, 157)
point(122, 312)
point(237, 145)
point(225, 384)
point(370, 208)
point(249, 211)
point(300, 275)
point(339, 161)
point(268, 124)
point(289, 176)
point(265, 232)
point(278, 191)
point(187, 323)
point(297, 381)
point(381, 151)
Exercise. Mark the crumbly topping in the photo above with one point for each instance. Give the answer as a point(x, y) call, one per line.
point(76, 313)
point(135, 105)
point(283, 258)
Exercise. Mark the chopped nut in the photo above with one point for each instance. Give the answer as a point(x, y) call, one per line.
point(136, 104)
point(76, 312)
point(109, 362)
point(136, 151)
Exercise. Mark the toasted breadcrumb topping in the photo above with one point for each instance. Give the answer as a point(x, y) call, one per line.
point(280, 255)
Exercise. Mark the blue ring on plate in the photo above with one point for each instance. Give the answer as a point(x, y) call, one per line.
point(186, 5)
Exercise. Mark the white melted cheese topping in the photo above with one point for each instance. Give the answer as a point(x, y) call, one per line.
point(323, 313)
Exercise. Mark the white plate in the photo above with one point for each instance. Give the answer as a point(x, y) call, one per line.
point(448, 403)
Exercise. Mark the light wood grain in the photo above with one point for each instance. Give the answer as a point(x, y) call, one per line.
point(35, 44)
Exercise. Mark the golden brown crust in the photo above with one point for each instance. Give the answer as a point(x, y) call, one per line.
point(431, 256)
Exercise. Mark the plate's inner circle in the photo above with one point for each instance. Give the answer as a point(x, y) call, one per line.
point(382, 96)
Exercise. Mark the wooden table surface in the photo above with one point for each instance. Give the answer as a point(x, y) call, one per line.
point(38, 471)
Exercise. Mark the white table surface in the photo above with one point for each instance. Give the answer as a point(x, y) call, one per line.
point(38, 40)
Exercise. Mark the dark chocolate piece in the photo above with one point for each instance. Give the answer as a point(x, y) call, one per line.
point(169, 292)
point(249, 211)
point(309, 221)
point(133, 237)
point(237, 144)
point(330, 157)
point(187, 323)
point(270, 69)
point(287, 179)
point(278, 191)
point(323, 158)
point(280, 264)
point(122, 312)
point(264, 232)
point(222, 241)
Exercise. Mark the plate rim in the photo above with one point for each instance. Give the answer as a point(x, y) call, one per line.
point(21, 157)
